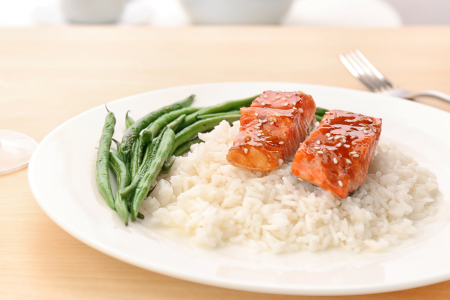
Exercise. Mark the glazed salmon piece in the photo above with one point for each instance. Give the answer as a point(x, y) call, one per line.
point(337, 154)
point(268, 136)
point(286, 100)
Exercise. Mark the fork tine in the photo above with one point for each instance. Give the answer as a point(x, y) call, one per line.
point(355, 72)
point(373, 69)
point(365, 78)
point(379, 84)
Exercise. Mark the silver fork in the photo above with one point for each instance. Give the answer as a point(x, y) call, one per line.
point(360, 67)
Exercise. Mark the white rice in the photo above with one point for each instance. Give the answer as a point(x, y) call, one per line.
point(216, 203)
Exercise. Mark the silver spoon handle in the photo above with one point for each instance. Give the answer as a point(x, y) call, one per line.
point(430, 93)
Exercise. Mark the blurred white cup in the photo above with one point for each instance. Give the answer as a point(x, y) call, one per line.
point(92, 11)
point(236, 12)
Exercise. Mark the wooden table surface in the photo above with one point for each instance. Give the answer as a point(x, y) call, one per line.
point(48, 75)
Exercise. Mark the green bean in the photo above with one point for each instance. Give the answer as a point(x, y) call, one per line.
point(103, 156)
point(166, 167)
point(183, 148)
point(136, 156)
point(123, 179)
point(156, 141)
point(122, 174)
point(201, 126)
point(222, 107)
point(147, 152)
point(147, 180)
point(149, 156)
point(128, 120)
point(134, 130)
point(117, 143)
point(176, 123)
point(321, 111)
point(233, 112)
point(150, 192)
point(228, 106)
point(154, 128)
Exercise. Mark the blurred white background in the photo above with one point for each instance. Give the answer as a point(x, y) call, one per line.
point(386, 13)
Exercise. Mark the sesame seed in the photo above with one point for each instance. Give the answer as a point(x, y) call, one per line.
point(340, 183)
point(278, 97)
point(284, 99)
point(365, 131)
point(264, 103)
point(317, 148)
point(260, 131)
point(281, 143)
point(259, 134)
point(278, 115)
point(345, 134)
point(265, 96)
point(335, 160)
point(289, 96)
point(348, 121)
point(320, 152)
point(330, 138)
point(356, 155)
point(318, 142)
point(264, 121)
point(271, 123)
point(256, 114)
point(338, 145)
point(300, 110)
point(370, 120)
point(347, 146)
point(245, 150)
point(286, 104)
point(354, 137)
point(337, 137)
point(348, 161)
point(328, 134)
point(374, 129)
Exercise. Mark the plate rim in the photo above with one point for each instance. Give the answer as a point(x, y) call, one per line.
point(317, 290)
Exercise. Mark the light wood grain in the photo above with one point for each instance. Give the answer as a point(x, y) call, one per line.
point(48, 75)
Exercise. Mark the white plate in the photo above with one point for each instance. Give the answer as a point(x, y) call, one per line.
point(62, 178)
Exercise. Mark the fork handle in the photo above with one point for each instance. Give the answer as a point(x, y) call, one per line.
point(430, 93)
